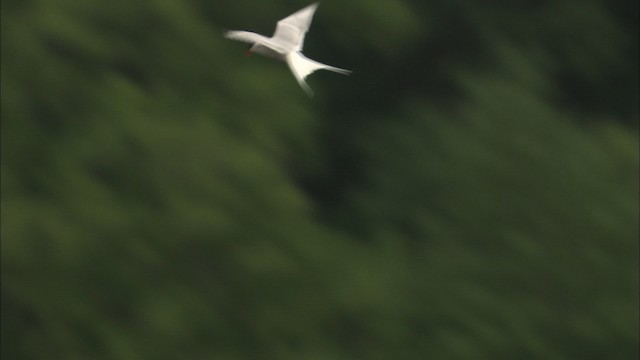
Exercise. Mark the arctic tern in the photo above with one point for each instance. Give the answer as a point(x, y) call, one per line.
point(286, 45)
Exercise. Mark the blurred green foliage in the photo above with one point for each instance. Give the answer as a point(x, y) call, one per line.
point(470, 192)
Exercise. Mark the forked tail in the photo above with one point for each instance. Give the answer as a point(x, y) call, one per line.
point(301, 66)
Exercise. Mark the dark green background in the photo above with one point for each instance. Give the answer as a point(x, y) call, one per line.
point(469, 192)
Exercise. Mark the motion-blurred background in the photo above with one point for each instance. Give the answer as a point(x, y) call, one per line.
point(469, 192)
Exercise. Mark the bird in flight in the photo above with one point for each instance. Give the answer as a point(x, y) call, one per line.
point(286, 45)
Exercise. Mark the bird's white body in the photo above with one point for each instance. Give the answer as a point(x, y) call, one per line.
point(286, 45)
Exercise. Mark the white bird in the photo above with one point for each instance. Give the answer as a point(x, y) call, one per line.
point(286, 45)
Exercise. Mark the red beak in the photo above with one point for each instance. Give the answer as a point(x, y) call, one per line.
point(248, 53)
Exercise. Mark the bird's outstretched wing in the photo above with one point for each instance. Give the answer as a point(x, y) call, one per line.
point(245, 36)
point(291, 30)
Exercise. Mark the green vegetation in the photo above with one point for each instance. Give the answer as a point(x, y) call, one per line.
point(470, 192)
